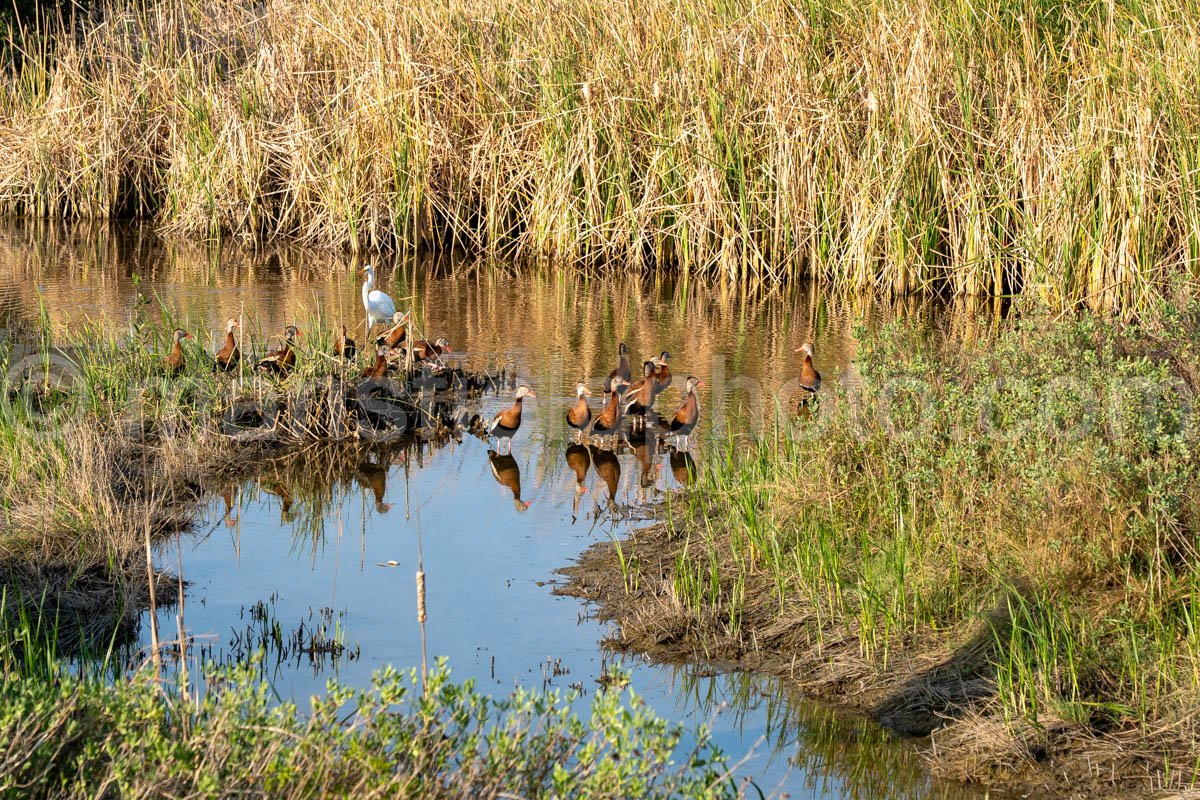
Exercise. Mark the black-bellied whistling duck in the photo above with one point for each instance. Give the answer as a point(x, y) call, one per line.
point(378, 370)
point(227, 358)
point(621, 370)
point(810, 379)
point(344, 346)
point(639, 400)
point(175, 361)
point(505, 424)
point(579, 416)
point(394, 336)
point(662, 373)
point(508, 474)
point(423, 349)
point(608, 467)
point(282, 360)
point(608, 423)
point(685, 419)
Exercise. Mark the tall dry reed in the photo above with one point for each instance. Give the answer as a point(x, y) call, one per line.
point(955, 145)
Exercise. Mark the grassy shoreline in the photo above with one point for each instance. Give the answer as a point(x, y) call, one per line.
point(937, 146)
point(994, 543)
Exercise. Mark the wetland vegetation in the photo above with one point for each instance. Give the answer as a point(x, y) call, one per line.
point(67, 734)
point(987, 536)
point(942, 146)
point(104, 452)
point(991, 541)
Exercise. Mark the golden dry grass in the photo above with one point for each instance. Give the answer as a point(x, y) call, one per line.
point(898, 146)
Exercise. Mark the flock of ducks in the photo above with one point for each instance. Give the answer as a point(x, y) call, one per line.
point(633, 402)
point(280, 361)
point(626, 399)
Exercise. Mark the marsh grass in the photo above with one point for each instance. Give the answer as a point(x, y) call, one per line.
point(902, 147)
point(997, 536)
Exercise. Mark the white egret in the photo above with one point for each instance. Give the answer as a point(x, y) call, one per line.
point(379, 306)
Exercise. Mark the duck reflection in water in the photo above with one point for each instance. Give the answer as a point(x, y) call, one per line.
point(648, 474)
point(578, 459)
point(508, 475)
point(228, 496)
point(373, 477)
point(609, 470)
point(683, 466)
point(284, 493)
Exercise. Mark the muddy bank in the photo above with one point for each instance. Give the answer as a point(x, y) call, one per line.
point(938, 686)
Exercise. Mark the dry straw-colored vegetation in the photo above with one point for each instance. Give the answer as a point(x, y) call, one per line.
point(962, 146)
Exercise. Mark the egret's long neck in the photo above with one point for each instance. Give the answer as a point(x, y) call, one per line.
point(367, 284)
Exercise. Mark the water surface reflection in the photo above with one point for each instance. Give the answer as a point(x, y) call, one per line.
point(312, 553)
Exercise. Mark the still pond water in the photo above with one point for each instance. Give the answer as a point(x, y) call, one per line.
point(328, 538)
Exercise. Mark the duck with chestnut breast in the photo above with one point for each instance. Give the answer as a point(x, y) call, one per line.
point(394, 336)
point(175, 361)
point(228, 357)
point(662, 373)
point(281, 360)
point(810, 379)
point(505, 424)
point(639, 400)
point(344, 346)
point(684, 420)
point(423, 349)
point(621, 370)
point(608, 423)
point(378, 370)
point(579, 416)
